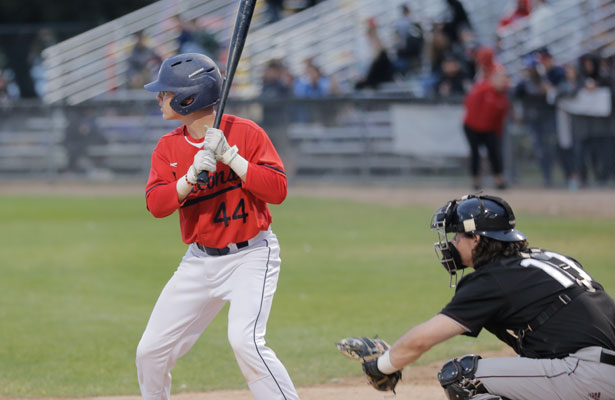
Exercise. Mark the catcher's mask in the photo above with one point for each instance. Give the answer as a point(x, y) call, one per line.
point(482, 215)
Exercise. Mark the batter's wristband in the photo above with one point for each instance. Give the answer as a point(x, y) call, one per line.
point(187, 181)
point(384, 364)
point(183, 187)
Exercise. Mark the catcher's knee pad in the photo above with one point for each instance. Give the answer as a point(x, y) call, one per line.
point(458, 380)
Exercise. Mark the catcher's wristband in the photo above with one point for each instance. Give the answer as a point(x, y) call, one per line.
point(384, 364)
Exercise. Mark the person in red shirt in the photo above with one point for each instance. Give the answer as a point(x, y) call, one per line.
point(233, 255)
point(486, 108)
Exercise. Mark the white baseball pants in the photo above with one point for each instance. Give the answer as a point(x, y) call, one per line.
point(197, 291)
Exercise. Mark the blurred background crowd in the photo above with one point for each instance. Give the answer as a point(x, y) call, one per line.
point(563, 108)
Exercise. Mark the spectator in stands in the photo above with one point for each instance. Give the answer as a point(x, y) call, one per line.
point(5, 98)
point(9, 90)
point(570, 145)
point(486, 107)
point(381, 69)
point(607, 71)
point(439, 47)
point(82, 132)
point(466, 52)
point(453, 80)
point(456, 20)
point(194, 38)
point(554, 74)
point(45, 38)
point(594, 122)
point(274, 10)
point(277, 85)
point(521, 11)
point(143, 63)
point(408, 42)
point(589, 69)
point(538, 115)
point(313, 84)
point(277, 81)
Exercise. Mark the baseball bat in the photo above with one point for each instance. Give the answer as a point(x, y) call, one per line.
point(238, 39)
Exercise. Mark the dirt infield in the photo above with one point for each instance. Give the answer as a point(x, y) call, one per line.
point(418, 383)
point(590, 203)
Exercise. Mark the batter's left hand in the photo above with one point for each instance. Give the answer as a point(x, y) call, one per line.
point(215, 140)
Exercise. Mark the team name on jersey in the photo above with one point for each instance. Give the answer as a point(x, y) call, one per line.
point(217, 179)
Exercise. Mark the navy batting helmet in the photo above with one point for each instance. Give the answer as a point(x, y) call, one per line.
point(189, 75)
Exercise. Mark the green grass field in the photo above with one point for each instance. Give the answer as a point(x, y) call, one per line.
point(79, 277)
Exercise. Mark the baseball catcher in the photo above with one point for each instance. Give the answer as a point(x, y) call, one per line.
point(543, 304)
point(367, 351)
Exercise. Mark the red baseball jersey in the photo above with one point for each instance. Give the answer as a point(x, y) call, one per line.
point(226, 209)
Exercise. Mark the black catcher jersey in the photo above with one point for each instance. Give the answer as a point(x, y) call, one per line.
point(506, 295)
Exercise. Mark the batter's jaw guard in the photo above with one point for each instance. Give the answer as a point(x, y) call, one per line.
point(457, 378)
point(195, 80)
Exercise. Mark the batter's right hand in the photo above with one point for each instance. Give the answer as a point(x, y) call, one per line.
point(204, 160)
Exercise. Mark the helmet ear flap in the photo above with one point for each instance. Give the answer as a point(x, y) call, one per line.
point(183, 102)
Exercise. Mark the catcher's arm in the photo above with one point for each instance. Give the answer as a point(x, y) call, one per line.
point(411, 345)
point(383, 365)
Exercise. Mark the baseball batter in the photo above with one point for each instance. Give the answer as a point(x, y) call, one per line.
point(543, 304)
point(233, 255)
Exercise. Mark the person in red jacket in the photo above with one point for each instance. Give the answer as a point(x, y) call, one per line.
point(486, 108)
point(233, 255)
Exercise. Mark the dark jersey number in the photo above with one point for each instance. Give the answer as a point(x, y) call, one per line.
point(239, 213)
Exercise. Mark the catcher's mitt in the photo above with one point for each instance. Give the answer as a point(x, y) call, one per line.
point(367, 351)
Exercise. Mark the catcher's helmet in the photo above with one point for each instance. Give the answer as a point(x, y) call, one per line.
point(488, 216)
point(483, 215)
point(189, 75)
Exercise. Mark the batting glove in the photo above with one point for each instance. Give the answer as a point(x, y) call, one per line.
point(204, 160)
point(216, 142)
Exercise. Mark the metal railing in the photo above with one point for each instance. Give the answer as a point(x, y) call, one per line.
point(573, 27)
point(332, 32)
point(94, 62)
point(333, 35)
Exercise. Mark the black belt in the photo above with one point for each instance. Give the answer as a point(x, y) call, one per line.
point(607, 358)
point(212, 251)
